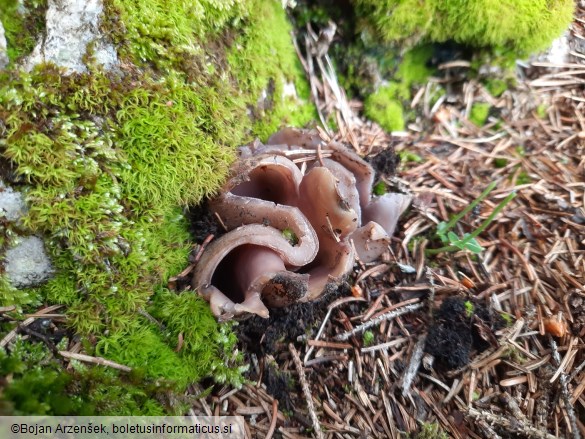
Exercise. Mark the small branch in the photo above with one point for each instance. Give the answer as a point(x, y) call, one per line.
point(413, 365)
point(565, 390)
point(330, 309)
point(12, 334)
point(388, 316)
point(306, 390)
point(95, 360)
point(514, 426)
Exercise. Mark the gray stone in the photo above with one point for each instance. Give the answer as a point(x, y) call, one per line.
point(558, 52)
point(70, 26)
point(3, 54)
point(12, 205)
point(27, 264)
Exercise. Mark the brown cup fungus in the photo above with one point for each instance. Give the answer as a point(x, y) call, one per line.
point(298, 211)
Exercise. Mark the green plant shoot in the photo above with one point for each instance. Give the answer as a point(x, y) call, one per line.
point(468, 241)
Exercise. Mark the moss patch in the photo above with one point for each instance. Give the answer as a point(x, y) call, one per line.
point(23, 21)
point(38, 385)
point(108, 162)
point(384, 108)
point(522, 26)
point(496, 87)
point(267, 38)
point(479, 113)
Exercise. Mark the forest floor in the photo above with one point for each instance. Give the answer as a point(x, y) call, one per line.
point(504, 356)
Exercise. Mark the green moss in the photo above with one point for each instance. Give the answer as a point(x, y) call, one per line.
point(522, 26)
point(523, 178)
point(368, 338)
point(431, 431)
point(542, 111)
point(469, 308)
point(263, 60)
point(33, 389)
point(396, 20)
point(479, 113)
point(413, 68)
point(409, 157)
point(496, 86)
point(12, 296)
point(109, 163)
point(40, 385)
point(290, 236)
point(385, 108)
point(23, 21)
point(170, 162)
point(508, 319)
point(500, 163)
point(380, 188)
point(155, 34)
point(206, 344)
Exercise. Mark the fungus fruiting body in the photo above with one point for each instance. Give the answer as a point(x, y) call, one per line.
point(295, 185)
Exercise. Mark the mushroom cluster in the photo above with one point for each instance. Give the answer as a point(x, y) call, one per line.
point(298, 211)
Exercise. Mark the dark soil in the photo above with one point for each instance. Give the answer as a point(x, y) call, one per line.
point(384, 163)
point(461, 326)
point(202, 222)
point(285, 325)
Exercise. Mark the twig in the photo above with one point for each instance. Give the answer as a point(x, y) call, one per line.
point(150, 318)
point(223, 226)
point(306, 390)
point(330, 309)
point(12, 334)
point(511, 426)
point(388, 316)
point(487, 430)
point(514, 409)
point(384, 346)
point(413, 365)
point(565, 390)
point(95, 360)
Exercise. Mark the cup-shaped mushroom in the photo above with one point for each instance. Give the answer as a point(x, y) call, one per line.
point(238, 267)
point(370, 241)
point(264, 191)
point(291, 233)
point(321, 199)
point(386, 210)
point(293, 137)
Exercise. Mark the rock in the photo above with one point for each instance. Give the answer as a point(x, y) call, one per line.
point(3, 55)
point(70, 26)
point(12, 205)
point(558, 53)
point(290, 91)
point(27, 264)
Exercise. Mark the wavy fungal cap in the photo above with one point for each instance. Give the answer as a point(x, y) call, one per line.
point(299, 211)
